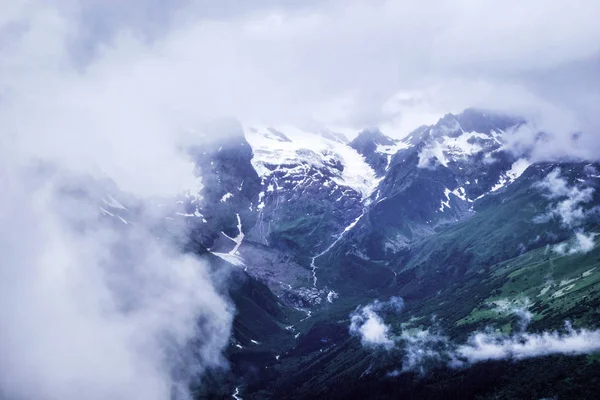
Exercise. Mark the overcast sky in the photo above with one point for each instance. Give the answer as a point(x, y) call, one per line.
point(347, 63)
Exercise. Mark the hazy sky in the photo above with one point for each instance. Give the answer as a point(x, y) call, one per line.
point(344, 63)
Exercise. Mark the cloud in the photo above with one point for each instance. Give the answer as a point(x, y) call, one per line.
point(568, 208)
point(581, 244)
point(93, 305)
point(422, 347)
point(483, 346)
point(366, 323)
point(352, 63)
point(371, 328)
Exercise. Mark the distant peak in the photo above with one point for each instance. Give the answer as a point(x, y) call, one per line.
point(486, 121)
point(372, 137)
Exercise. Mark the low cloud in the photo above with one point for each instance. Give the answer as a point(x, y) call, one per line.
point(422, 349)
point(581, 244)
point(94, 306)
point(98, 299)
point(370, 327)
point(568, 208)
point(483, 346)
point(366, 322)
point(567, 205)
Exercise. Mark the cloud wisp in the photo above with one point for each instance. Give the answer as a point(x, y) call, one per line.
point(483, 346)
point(425, 348)
point(422, 349)
point(366, 322)
point(567, 205)
point(568, 208)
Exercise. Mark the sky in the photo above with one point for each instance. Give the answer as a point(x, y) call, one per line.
point(345, 63)
point(116, 90)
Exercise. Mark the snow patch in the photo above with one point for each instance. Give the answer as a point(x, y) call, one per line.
point(235, 394)
point(588, 273)
point(113, 203)
point(106, 212)
point(332, 295)
point(238, 239)
point(446, 204)
point(225, 197)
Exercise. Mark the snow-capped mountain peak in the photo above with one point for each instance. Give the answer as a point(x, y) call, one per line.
point(293, 151)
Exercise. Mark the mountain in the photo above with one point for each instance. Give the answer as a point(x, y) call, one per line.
point(370, 268)
point(313, 186)
point(437, 177)
point(377, 149)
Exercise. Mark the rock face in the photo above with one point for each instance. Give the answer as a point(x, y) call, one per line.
point(230, 186)
point(377, 149)
point(313, 187)
point(436, 179)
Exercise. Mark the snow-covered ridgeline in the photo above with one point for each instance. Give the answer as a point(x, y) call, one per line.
point(294, 150)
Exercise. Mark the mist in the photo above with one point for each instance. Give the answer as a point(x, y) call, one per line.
point(98, 299)
point(420, 349)
point(367, 323)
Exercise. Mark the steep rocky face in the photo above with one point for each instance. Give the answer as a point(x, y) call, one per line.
point(377, 149)
point(230, 190)
point(313, 187)
point(437, 178)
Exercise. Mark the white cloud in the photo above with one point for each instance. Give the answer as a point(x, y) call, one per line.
point(345, 62)
point(568, 209)
point(370, 326)
point(96, 307)
point(518, 307)
point(422, 347)
point(93, 308)
point(488, 346)
point(583, 243)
